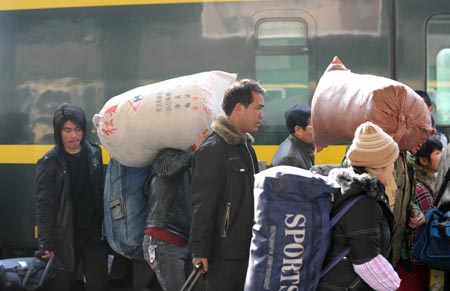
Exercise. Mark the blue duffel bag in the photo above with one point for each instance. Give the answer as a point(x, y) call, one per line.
point(292, 229)
point(432, 246)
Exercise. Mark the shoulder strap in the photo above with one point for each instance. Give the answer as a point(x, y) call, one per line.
point(333, 221)
point(344, 210)
point(442, 188)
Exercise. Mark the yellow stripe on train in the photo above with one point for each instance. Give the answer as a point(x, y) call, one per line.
point(29, 154)
point(329, 155)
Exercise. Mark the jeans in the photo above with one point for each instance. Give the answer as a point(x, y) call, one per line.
point(125, 208)
point(170, 262)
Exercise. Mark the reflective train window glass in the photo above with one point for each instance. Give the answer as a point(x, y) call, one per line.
point(286, 80)
point(282, 66)
point(281, 33)
point(438, 67)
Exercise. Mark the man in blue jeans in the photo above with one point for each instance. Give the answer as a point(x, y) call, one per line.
point(169, 217)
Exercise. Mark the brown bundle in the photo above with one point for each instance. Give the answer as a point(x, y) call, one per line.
point(344, 100)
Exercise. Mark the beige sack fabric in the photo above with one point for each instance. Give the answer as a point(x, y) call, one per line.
point(135, 125)
point(343, 100)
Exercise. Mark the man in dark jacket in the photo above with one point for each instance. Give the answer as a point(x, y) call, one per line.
point(222, 189)
point(69, 203)
point(297, 150)
point(166, 237)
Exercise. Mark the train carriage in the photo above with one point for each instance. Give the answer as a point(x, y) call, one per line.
point(86, 52)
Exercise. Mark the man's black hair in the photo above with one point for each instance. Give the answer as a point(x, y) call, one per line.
point(67, 112)
point(297, 115)
point(425, 97)
point(240, 92)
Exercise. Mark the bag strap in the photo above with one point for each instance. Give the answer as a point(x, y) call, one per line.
point(442, 189)
point(333, 222)
point(344, 210)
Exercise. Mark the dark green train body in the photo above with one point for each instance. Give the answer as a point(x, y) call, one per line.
point(87, 54)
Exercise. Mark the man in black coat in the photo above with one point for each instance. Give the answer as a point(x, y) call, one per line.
point(297, 150)
point(222, 189)
point(168, 189)
point(69, 203)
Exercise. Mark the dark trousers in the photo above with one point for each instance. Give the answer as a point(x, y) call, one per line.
point(416, 279)
point(93, 257)
point(226, 275)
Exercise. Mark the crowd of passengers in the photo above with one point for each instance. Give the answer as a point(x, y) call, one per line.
point(189, 224)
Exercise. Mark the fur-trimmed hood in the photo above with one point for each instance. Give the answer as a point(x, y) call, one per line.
point(425, 176)
point(352, 183)
point(226, 130)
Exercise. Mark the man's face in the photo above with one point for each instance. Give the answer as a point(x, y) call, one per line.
point(304, 134)
point(252, 116)
point(71, 136)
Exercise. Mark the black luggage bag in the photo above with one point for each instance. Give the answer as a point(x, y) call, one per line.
point(24, 274)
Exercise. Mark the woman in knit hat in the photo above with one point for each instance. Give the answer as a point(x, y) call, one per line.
point(366, 228)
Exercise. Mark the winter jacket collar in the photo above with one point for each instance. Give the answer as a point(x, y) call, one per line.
point(58, 150)
point(301, 144)
point(353, 183)
point(226, 130)
point(425, 176)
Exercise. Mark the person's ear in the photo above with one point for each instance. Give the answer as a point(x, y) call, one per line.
point(298, 129)
point(423, 161)
point(238, 107)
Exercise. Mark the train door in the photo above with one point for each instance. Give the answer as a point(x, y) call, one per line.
point(438, 66)
point(285, 65)
point(423, 52)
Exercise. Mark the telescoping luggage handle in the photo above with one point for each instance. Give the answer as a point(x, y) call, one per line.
point(37, 255)
point(193, 277)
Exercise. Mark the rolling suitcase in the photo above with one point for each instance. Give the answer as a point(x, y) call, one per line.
point(193, 278)
point(20, 274)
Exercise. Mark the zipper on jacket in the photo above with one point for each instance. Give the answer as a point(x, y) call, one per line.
point(226, 220)
point(251, 158)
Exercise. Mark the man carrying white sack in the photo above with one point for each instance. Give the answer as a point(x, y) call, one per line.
point(168, 188)
point(222, 189)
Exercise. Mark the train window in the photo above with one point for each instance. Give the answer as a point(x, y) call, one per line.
point(285, 78)
point(438, 67)
point(281, 33)
point(282, 66)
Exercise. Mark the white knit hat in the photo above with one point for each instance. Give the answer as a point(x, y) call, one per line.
point(372, 147)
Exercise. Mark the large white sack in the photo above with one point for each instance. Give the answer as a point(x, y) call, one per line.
point(135, 125)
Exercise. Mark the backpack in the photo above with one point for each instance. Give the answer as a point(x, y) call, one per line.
point(292, 230)
point(125, 205)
